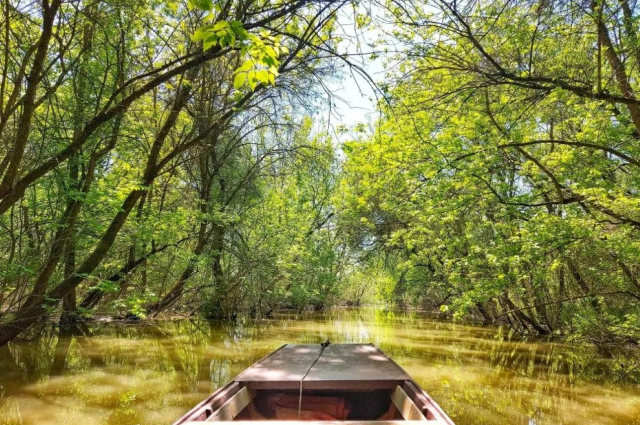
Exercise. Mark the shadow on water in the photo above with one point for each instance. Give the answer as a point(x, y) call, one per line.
point(153, 372)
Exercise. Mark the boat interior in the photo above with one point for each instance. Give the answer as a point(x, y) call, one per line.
point(378, 406)
point(356, 383)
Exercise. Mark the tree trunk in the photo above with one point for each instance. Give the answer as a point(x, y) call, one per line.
point(618, 68)
point(39, 306)
point(627, 272)
point(523, 317)
point(586, 289)
point(219, 306)
point(49, 12)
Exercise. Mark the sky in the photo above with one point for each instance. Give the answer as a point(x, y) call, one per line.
point(354, 99)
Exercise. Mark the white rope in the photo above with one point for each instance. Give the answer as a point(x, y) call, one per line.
point(322, 347)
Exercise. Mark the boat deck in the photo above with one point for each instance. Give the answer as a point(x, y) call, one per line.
point(344, 366)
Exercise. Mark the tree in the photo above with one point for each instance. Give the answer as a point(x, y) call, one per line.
point(132, 127)
point(505, 166)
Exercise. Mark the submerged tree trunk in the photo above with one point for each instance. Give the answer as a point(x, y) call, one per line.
point(522, 317)
point(486, 316)
point(219, 308)
point(69, 306)
point(203, 236)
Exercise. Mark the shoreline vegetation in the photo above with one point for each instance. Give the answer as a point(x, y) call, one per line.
point(630, 351)
point(180, 156)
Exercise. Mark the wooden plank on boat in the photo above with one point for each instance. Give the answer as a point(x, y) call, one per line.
point(354, 366)
point(282, 369)
point(406, 406)
point(344, 366)
point(232, 407)
point(426, 404)
point(210, 404)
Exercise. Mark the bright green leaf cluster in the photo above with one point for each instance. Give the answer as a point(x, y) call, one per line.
point(261, 51)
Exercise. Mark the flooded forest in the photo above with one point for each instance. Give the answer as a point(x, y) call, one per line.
point(187, 184)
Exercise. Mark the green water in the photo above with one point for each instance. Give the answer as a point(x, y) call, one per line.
point(153, 373)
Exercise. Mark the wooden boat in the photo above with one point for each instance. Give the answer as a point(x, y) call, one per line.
point(324, 384)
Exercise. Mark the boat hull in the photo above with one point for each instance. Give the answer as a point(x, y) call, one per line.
point(306, 381)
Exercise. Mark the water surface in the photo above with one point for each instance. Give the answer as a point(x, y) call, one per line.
point(115, 374)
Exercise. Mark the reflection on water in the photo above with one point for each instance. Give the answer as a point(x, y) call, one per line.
point(116, 374)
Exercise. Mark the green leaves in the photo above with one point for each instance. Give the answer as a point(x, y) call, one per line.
point(261, 65)
point(206, 5)
point(221, 33)
point(239, 79)
point(261, 52)
point(466, 188)
point(250, 74)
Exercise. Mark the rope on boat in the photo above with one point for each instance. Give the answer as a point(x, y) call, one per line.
point(322, 347)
